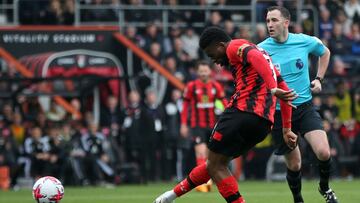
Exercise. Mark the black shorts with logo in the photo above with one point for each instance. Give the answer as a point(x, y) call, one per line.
point(304, 119)
point(200, 135)
point(237, 131)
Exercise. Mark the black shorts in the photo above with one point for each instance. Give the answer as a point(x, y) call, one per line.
point(304, 119)
point(237, 131)
point(200, 135)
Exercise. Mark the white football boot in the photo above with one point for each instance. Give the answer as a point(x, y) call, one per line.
point(167, 197)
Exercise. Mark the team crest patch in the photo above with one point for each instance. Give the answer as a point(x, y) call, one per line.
point(241, 49)
point(299, 64)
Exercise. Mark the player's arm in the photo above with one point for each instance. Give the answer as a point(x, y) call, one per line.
point(290, 138)
point(280, 89)
point(322, 67)
point(263, 66)
point(187, 96)
point(220, 94)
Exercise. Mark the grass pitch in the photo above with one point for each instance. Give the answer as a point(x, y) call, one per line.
point(253, 191)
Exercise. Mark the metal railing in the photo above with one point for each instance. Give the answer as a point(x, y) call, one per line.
point(164, 9)
point(165, 12)
point(14, 8)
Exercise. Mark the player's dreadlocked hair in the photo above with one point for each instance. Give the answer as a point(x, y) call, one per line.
point(213, 35)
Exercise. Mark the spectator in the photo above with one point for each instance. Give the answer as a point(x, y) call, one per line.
point(18, 130)
point(215, 19)
point(152, 35)
point(69, 12)
point(336, 147)
point(339, 67)
point(138, 129)
point(229, 28)
point(339, 43)
point(190, 42)
point(131, 34)
point(7, 113)
point(183, 59)
point(175, 15)
point(325, 24)
point(352, 10)
point(8, 156)
point(328, 110)
point(155, 141)
point(37, 148)
point(357, 105)
point(341, 18)
point(354, 36)
point(343, 101)
point(30, 108)
point(111, 116)
point(260, 33)
point(155, 51)
point(226, 14)
point(173, 140)
point(54, 14)
point(41, 121)
point(75, 152)
point(96, 160)
point(55, 112)
point(56, 153)
point(132, 16)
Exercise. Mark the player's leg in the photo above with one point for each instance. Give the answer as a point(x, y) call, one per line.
point(198, 176)
point(293, 174)
point(314, 134)
point(319, 144)
point(217, 167)
point(235, 133)
point(200, 139)
point(292, 157)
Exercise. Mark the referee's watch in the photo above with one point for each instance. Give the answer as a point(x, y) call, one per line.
point(321, 80)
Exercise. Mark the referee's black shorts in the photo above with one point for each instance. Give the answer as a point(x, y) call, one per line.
point(200, 135)
point(304, 119)
point(237, 131)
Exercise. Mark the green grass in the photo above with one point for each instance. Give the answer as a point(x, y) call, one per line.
point(253, 191)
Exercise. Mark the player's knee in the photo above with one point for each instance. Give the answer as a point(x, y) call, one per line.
point(294, 165)
point(214, 168)
point(323, 154)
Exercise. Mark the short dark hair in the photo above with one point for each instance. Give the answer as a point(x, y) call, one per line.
point(284, 12)
point(202, 63)
point(213, 35)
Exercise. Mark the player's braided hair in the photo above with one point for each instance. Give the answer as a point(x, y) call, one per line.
point(213, 35)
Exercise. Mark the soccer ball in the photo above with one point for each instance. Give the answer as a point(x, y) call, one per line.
point(48, 190)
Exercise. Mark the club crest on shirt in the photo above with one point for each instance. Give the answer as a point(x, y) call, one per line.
point(299, 64)
point(241, 49)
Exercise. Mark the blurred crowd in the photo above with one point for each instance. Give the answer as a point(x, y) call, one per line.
point(141, 142)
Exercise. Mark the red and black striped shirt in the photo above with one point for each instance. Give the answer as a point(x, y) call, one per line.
point(200, 97)
point(254, 77)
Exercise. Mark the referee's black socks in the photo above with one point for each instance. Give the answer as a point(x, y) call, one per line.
point(294, 180)
point(324, 173)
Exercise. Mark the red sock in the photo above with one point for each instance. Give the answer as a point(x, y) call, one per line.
point(198, 176)
point(228, 188)
point(200, 161)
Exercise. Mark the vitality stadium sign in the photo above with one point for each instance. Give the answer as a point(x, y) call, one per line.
point(22, 41)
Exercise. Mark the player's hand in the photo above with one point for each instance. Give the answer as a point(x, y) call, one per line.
point(288, 95)
point(290, 138)
point(184, 131)
point(316, 86)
